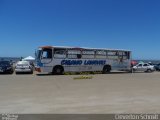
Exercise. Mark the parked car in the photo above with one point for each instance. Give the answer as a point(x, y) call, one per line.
point(157, 67)
point(144, 67)
point(24, 67)
point(6, 67)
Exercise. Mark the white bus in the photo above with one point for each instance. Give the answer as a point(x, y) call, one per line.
point(60, 59)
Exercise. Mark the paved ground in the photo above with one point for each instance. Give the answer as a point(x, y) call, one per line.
point(110, 93)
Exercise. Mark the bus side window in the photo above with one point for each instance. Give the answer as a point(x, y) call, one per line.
point(60, 53)
point(47, 54)
point(74, 54)
point(101, 54)
point(88, 54)
point(128, 55)
point(124, 55)
point(112, 55)
point(119, 54)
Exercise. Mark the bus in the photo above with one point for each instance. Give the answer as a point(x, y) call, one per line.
point(61, 59)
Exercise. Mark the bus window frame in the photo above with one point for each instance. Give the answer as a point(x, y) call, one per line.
point(103, 55)
point(44, 49)
point(88, 54)
point(61, 49)
point(80, 54)
point(116, 55)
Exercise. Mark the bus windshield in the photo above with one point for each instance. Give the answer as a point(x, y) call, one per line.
point(38, 54)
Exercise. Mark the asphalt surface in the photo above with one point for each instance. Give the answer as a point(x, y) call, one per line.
point(104, 93)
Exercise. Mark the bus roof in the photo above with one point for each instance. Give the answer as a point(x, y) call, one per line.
point(68, 47)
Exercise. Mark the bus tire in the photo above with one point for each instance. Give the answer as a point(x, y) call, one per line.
point(106, 69)
point(58, 70)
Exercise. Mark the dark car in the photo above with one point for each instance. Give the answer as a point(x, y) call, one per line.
point(157, 67)
point(6, 67)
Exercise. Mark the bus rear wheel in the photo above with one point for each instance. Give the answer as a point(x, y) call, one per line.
point(106, 69)
point(58, 70)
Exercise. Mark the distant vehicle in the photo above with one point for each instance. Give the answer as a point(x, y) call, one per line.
point(150, 63)
point(157, 67)
point(144, 67)
point(60, 59)
point(24, 67)
point(6, 67)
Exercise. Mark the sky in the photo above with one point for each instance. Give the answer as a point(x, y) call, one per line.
point(117, 24)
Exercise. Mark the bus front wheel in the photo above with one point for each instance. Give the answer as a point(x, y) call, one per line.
point(58, 70)
point(106, 69)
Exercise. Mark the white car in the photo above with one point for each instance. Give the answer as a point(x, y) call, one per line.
point(144, 67)
point(24, 67)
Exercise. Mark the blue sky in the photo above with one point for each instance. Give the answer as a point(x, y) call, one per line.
point(122, 24)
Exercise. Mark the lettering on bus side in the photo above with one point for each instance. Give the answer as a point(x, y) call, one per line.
point(94, 62)
point(80, 62)
point(71, 62)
